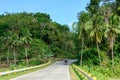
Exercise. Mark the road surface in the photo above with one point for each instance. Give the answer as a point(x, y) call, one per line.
point(57, 71)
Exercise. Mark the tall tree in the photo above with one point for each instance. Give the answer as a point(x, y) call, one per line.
point(82, 32)
point(26, 40)
point(118, 7)
point(96, 31)
point(15, 41)
point(95, 22)
point(93, 6)
point(112, 29)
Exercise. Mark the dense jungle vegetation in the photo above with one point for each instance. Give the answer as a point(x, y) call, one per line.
point(97, 34)
point(32, 38)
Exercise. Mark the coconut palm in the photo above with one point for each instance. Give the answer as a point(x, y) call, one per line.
point(96, 31)
point(82, 32)
point(112, 29)
point(7, 44)
point(14, 43)
point(26, 40)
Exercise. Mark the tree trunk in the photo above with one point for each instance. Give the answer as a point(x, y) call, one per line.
point(8, 61)
point(81, 52)
point(26, 56)
point(112, 54)
point(98, 53)
point(14, 55)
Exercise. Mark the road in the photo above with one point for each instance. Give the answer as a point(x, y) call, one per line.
point(57, 71)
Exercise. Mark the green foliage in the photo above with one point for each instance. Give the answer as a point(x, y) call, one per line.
point(12, 66)
point(35, 62)
point(101, 73)
point(24, 36)
point(90, 56)
point(97, 38)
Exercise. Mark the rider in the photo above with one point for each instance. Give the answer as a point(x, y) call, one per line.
point(65, 61)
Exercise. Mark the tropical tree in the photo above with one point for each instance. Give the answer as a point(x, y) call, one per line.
point(96, 28)
point(26, 40)
point(112, 29)
point(82, 32)
point(5, 37)
point(7, 40)
point(95, 23)
point(93, 7)
point(111, 20)
point(118, 7)
point(14, 44)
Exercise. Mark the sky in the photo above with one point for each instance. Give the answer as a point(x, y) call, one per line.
point(60, 11)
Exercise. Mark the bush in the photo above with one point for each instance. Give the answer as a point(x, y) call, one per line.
point(90, 56)
point(35, 62)
point(12, 66)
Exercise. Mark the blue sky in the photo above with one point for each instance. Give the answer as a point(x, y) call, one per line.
point(61, 11)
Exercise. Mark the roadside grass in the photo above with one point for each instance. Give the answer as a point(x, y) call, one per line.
point(100, 73)
point(113, 78)
point(4, 69)
point(73, 75)
point(76, 75)
point(10, 76)
point(8, 69)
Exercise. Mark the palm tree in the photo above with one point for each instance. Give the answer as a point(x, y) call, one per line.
point(118, 7)
point(7, 42)
point(81, 29)
point(112, 29)
point(14, 44)
point(96, 31)
point(95, 23)
point(83, 18)
point(26, 40)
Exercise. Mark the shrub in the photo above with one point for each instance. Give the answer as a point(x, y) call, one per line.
point(34, 62)
point(12, 66)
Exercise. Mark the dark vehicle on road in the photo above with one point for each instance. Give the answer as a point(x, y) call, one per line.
point(65, 62)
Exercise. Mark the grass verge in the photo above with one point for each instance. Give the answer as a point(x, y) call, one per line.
point(73, 75)
point(76, 75)
point(10, 76)
point(4, 69)
point(100, 73)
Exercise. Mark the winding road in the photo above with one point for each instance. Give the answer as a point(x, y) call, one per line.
point(57, 71)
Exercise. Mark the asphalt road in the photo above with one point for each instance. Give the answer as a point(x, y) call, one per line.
point(57, 71)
